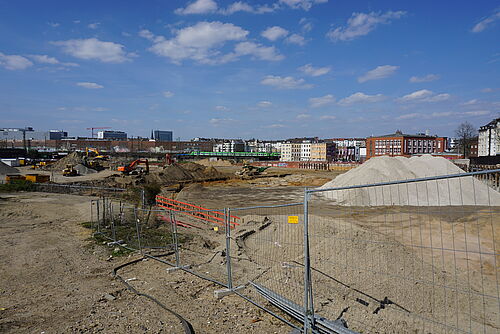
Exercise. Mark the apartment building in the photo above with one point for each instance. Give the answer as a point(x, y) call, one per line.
point(291, 152)
point(235, 145)
point(322, 151)
point(305, 151)
point(399, 144)
point(349, 149)
point(489, 139)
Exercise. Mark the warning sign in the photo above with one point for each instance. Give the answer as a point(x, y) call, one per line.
point(293, 219)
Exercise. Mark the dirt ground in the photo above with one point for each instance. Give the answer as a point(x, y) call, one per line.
point(54, 280)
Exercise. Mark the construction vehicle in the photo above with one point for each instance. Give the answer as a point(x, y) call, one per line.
point(248, 171)
point(133, 167)
point(70, 171)
point(168, 159)
point(94, 154)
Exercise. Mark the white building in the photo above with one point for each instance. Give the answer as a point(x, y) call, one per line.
point(489, 139)
point(305, 151)
point(295, 151)
point(233, 145)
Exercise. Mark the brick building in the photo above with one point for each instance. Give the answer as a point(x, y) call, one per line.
point(400, 144)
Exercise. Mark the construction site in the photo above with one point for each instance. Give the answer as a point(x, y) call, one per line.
point(106, 244)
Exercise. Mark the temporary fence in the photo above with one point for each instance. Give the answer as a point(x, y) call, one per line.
point(76, 189)
point(411, 256)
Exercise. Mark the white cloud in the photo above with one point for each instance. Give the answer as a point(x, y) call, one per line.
point(476, 113)
point(306, 25)
point(168, 94)
point(44, 59)
point(100, 109)
point(424, 95)
point(303, 116)
point(380, 72)
point(316, 102)
point(198, 7)
point(425, 78)
point(257, 50)
point(221, 121)
point(314, 71)
point(470, 102)
point(144, 33)
point(14, 62)
point(302, 4)
point(360, 24)
point(285, 82)
point(327, 117)
point(92, 48)
point(221, 108)
point(275, 126)
point(408, 116)
point(264, 104)
point(53, 24)
point(89, 85)
point(274, 33)
point(361, 98)
point(240, 6)
point(483, 24)
point(296, 39)
point(199, 43)
point(94, 25)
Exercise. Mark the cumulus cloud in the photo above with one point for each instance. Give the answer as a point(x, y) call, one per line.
point(168, 94)
point(240, 6)
point(144, 33)
point(94, 25)
point(303, 116)
point(274, 33)
point(89, 85)
point(296, 39)
point(424, 95)
point(425, 78)
point(53, 24)
point(485, 23)
point(327, 117)
point(301, 4)
point(264, 104)
point(44, 59)
point(380, 72)
point(14, 62)
point(360, 24)
point(198, 7)
point(285, 82)
point(305, 24)
point(201, 42)
point(361, 98)
point(317, 102)
point(221, 108)
point(314, 71)
point(94, 49)
point(408, 116)
point(258, 51)
point(221, 121)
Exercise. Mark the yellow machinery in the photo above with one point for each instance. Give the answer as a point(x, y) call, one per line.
point(70, 171)
point(94, 154)
point(37, 178)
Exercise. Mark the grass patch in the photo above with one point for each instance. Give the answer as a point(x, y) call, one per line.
point(17, 185)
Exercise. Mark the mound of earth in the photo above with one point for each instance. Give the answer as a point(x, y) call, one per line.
point(456, 191)
point(184, 172)
point(73, 158)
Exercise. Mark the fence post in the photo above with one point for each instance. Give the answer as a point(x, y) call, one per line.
point(173, 222)
point(227, 217)
point(112, 216)
point(137, 230)
point(308, 300)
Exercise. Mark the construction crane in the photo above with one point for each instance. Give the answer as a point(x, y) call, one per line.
point(98, 128)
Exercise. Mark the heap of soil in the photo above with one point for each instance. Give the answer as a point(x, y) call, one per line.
point(84, 170)
point(73, 158)
point(214, 163)
point(456, 191)
point(6, 169)
point(185, 172)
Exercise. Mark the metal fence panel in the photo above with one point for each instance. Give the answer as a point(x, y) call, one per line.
point(409, 257)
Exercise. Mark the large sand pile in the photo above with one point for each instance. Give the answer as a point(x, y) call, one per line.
point(457, 191)
point(73, 158)
point(184, 172)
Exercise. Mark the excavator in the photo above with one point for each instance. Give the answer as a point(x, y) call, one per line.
point(96, 155)
point(248, 171)
point(132, 168)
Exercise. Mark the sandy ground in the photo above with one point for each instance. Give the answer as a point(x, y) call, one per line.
point(54, 280)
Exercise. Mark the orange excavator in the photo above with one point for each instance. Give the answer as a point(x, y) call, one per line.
point(132, 168)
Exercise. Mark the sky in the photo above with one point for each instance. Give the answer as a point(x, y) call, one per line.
point(268, 69)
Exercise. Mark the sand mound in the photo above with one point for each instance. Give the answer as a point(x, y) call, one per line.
point(6, 169)
point(214, 163)
point(460, 191)
point(185, 172)
point(73, 158)
point(84, 170)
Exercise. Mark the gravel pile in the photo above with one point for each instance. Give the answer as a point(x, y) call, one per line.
point(458, 191)
point(7, 170)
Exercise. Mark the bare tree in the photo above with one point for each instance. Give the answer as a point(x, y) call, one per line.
point(465, 133)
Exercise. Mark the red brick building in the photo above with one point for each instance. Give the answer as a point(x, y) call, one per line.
point(399, 144)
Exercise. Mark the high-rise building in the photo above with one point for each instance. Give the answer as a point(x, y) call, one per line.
point(161, 135)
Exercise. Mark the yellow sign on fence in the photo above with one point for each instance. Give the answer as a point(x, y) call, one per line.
point(293, 219)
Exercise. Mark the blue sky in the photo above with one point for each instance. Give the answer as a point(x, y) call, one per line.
point(269, 69)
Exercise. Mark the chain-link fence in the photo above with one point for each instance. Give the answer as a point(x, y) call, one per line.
point(415, 256)
point(76, 189)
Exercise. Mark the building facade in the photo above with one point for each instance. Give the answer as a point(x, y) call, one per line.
point(489, 139)
point(160, 135)
point(107, 134)
point(323, 151)
point(234, 145)
point(399, 144)
point(348, 149)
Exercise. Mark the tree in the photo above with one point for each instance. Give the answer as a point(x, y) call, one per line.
point(465, 133)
